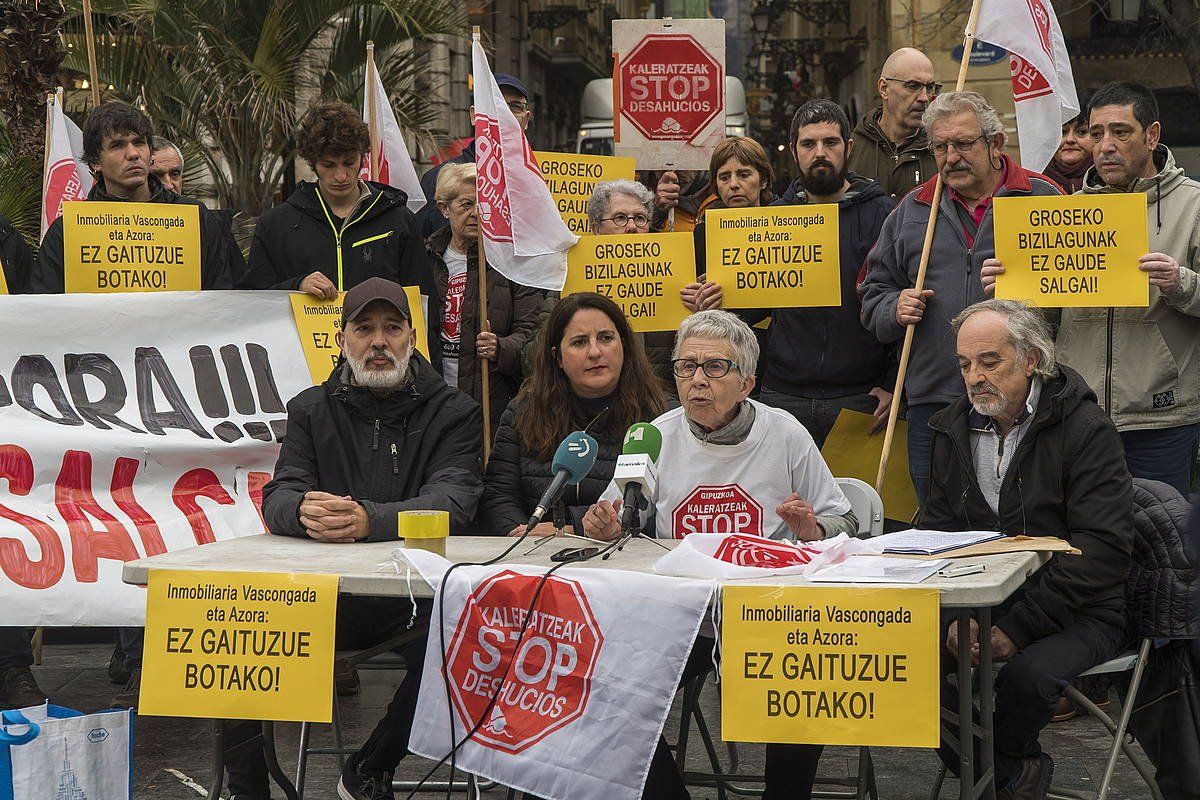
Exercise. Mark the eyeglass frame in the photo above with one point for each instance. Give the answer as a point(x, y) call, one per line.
point(729, 363)
point(958, 145)
point(634, 219)
point(932, 88)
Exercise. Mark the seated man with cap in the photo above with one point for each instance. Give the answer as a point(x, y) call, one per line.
point(383, 434)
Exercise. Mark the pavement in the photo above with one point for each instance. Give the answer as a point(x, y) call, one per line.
point(172, 756)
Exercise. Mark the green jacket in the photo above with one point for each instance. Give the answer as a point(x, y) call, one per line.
point(1144, 363)
point(898, 169)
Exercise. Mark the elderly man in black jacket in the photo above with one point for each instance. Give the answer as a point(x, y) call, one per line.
point(1028, 450)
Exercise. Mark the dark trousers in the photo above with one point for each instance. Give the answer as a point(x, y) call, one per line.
point(817, 414)
point(920, 445)
point(15, 647)
point(1165, 454)
point(1028, 688)
point(131, 642)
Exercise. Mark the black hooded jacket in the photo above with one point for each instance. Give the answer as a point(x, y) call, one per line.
point(1068, 479)
point(220, 261)
point(16, 256)
point(416, 449)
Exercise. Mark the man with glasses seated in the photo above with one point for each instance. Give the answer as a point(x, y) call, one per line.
point(890, 144)
point(967, 141)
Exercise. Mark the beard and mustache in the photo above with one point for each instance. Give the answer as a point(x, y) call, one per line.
point(987, 399)
point(386, 379)
point(822, 178)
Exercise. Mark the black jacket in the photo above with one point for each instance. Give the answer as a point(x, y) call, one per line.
point(220, 261)
point(514, 481)
point(16, 256)
point(1068, 478)
point(417, 449)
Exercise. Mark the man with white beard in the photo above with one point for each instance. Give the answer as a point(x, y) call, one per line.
point(1028, 450)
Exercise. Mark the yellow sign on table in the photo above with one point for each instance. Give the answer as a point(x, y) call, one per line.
point(130, 247)
point(852, 452)
point(642, 273)
point(830, 665)
point(239, 645)
point(571, 177)
point(775, 256)
point(318, 322)
point(1075, 251)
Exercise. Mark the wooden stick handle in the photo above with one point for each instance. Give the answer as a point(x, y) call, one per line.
point(90, 35)
point(372, 113)
point(484, 364)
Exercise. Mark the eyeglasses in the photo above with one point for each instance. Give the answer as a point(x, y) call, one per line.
point(958, 145)
point(713, 368)
point(621, 220)
point(932, 88)
point(518, 107)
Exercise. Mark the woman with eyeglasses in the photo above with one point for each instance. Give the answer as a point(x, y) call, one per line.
point(730, 464)
point(589, 373)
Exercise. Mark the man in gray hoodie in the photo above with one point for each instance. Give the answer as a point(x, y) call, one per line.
point(1142, 363)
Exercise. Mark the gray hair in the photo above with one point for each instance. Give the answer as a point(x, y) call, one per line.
point(952, 103)
point(162, 143)
point(718, 324)
point(451, 179)
point(602, 196)
point(1027, 330)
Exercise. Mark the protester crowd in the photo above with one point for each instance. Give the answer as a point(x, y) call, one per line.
point(1019, 420)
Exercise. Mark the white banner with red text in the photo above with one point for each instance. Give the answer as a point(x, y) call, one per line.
point(567, 685)
point(132, 425)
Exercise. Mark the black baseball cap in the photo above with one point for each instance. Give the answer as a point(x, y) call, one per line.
point(511, 82)
point(371, 290)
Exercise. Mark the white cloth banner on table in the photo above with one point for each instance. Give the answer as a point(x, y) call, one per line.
point(67, 177)
point(524, 236)
point(395, 166)
point(1042, 83)
point(582, 694)
point(133, 425)
point(724, 556)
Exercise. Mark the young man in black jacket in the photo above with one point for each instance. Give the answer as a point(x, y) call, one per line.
point(1028, 450)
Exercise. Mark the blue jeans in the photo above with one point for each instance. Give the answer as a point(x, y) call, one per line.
point(1165, 454)
point(920, 443)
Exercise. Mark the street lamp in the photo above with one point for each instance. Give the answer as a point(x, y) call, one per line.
point(761, 18)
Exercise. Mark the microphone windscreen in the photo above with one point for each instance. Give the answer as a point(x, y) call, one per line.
point(576, 455)
point(642, 437)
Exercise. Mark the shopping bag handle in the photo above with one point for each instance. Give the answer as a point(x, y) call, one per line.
point(17, 718)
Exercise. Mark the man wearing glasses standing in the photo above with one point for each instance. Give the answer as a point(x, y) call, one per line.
point(967, 141)
point(890, 143)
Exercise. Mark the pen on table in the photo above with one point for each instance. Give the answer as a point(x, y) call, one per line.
point(958, 570)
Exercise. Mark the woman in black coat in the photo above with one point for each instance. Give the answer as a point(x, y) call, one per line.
point(589, 373)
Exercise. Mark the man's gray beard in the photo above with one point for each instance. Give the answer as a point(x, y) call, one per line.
point(384, 380)
point(989, 404)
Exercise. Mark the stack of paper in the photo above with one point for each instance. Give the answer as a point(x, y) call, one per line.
point(929, 543)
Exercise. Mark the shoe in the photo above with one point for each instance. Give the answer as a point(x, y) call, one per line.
point(1065, 710)
point(345, 681)
point(118, 673)
point(18, 689)
point(356, 785)
point(1033, 781)
point(1095, 688)
point(128, 697)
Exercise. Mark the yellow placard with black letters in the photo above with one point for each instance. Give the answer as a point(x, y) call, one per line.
point(643, 273)
point(130, 247)
point(571, 177)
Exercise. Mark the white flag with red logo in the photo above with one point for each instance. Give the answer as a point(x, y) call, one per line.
point(67, 176)
point(394, 165)
point(566, 702)
point(524, 236)
point(744, 555)
point(1043, 86)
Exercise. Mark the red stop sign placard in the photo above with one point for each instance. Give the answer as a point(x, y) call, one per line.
point(670, 87)
point(727, 508)
point(541, 683)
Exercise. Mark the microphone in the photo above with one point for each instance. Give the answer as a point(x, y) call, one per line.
point(636, 475)
point(572, 461)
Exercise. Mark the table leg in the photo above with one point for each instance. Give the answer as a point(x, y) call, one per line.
point(987, 701)
point(272, 759)
point(966, 735)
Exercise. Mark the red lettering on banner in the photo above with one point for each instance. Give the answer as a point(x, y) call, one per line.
point(717, 509)
point(255, 482)
point(495, 215)
point(1041, 23)
point(124, 471)
point(1027, 81)
point(194, 484)
point(62, 183)
point(755, 551)
point(17, 467)
point(75, 502)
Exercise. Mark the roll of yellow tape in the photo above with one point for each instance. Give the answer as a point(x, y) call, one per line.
point(425, 530)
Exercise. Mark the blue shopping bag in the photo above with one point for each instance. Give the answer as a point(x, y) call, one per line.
point(49, 752)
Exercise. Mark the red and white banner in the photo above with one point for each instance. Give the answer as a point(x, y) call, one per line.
point(1043, 86)
point(132, 425)
point(394, 165)
point(742, 555)
point(524, 236)
point(573, 696)
point(67, 176)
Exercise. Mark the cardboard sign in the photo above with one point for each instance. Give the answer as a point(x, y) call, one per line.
point(851, 452)
point(642, 272)
point(239, 645)
point(1075, 251)
point(571, 178)
point(131, 247)
point(830, 666)
point(775, 257)
point(318, 322)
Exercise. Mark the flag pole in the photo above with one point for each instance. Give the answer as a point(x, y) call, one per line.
point(50, 100)
point(372, 112)
point(910, 330)
point(484, 367)
point(90, 34)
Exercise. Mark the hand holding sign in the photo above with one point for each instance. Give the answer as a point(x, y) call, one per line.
point(701, 296)
point(1163, 271)
point(319, 286)
point(666, 195)
point(988, 273)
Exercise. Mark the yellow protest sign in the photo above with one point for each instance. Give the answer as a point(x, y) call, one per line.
point(3, 283)
point(239, 645)
point(318, 322)
point(571, 177)
point(830, 665)
point(852, 452)
point(775, 256)
point(642, 272)
point(130, 247)
point(1075, 251)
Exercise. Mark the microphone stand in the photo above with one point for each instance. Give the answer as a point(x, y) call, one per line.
point(630, 529)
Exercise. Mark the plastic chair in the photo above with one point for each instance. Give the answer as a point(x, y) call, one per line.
point(866, 505)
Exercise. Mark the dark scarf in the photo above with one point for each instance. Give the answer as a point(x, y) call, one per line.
point(1070, 179)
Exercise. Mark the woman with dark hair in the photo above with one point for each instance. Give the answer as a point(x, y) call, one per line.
point(589, 373)
point(1073, 157)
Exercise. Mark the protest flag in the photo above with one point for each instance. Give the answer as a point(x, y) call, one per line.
point(65, 176)
point(390, 162)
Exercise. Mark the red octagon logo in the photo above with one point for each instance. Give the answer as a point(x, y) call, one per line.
point(717, 509)
point(543, 682)
point(671, 88)
point(755, 551)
